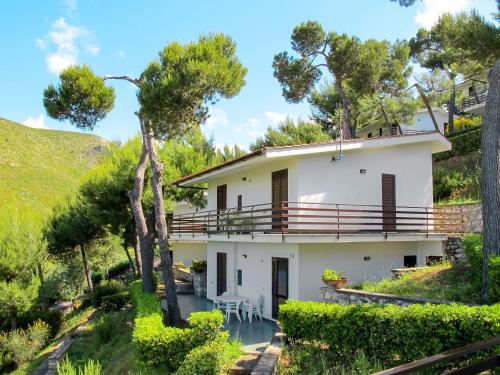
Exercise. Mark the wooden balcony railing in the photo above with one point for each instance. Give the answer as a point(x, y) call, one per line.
point(293, 218)
point(479, 97)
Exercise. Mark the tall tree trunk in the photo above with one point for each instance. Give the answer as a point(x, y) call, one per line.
point(145, 236)
point(452, 109)
point(137, 252)
point(490, 148)
point(86, 266)
point(428, 106)
point(345, 102)
point(13, 321)
point(162, 229)
point(129, 258)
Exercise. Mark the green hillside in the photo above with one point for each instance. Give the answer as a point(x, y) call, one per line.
point(40, 167)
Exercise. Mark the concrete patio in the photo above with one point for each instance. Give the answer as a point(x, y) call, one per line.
point(254, 336)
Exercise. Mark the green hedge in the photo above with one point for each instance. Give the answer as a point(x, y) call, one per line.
point(107, 288)
point(462, 144)
point(390, 334)
point(118, 269)
point(169, 346)
point(208, 359)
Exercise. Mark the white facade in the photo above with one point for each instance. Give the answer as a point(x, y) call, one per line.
point(422, 120)
point(316, 176)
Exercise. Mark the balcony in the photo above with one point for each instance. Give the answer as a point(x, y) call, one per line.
point(339, 221)
point(474, 102)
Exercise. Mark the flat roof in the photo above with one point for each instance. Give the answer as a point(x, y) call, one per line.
point(437, 140)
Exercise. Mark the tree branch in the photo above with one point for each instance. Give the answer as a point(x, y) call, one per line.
point(123, 78)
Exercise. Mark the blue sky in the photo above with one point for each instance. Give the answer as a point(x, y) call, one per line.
point(39, 38)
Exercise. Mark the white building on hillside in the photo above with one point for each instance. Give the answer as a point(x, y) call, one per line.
point(277, 217)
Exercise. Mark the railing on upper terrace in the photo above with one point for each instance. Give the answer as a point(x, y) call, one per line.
point(478, 97)
point(305, 218)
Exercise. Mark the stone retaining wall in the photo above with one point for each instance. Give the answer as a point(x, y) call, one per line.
point(473, 216)
point(200, 285)
point(180, 274)
point(358, 297)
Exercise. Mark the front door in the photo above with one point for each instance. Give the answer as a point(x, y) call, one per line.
point(279, 195)
point(221, 205)
point(389, 202)
point(280, 283)
point(221, 273)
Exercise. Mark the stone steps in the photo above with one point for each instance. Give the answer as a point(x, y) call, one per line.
point(184, 287)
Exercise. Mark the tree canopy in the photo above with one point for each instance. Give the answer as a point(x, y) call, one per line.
point(358, 69)
point(290, 132)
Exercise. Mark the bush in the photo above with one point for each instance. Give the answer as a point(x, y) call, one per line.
point(160, 345)
point(96, 278)
point(105, 327)
point(208, 359)
point(20, 346)
point(390, 334)
point(105, 289)
point(116, 301)
point(473, 245)
point(66, 368)
point(462, 143)
point(199, 266)
point(118, 270)
point(54, 318)
point(331, 275)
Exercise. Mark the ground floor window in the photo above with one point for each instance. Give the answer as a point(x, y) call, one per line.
point(410, 261)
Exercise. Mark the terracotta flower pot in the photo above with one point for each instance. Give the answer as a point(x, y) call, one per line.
point(337, 284)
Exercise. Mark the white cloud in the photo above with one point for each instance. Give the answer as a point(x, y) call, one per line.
point(431, 10)
point(220, 146)
point(66, 41)
point(38, 123)
point(70, 6)
point(276, 117)
point(121, 54)
point(216, 117)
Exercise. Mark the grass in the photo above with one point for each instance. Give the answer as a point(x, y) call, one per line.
point(464, 200)
point(440, 282)
point(39, 167)
point(71, 321)
point(114, 352)
point(314, 358)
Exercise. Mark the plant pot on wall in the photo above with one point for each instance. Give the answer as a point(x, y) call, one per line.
point(337, 284)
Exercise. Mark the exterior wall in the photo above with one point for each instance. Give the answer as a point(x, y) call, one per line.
point(349, 258)
point(256, 269)
point(185, 252)
point(322, 180)
point(257, 187)
point(473, 216)
point(422, 120)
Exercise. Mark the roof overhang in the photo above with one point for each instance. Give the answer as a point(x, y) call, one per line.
point(436, 140)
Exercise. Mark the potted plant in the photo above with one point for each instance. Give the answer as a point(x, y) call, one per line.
point(333, 278)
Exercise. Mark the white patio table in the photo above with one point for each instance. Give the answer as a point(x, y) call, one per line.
point(231, 298)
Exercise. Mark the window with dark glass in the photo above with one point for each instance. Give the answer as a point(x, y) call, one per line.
point(240, 202)
point(410, 261)
point(240, 277)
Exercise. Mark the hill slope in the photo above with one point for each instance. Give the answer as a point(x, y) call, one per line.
point(40, 167)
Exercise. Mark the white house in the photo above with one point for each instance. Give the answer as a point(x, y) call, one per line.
point(421, 122)
point(277, 217)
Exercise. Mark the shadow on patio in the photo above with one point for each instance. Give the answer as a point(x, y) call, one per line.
point(254, 336)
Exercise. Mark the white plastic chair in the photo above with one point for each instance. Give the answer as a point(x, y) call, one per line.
point(218, 303)
point(232, 307)
point(253, 308)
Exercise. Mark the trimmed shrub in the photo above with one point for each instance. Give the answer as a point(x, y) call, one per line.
point(105, 289)
point(199, 266)
point(463, 143)
point(390, 334)
point(116, 301)
point(20, 346)
point(208, 359)
point(168, 346)
point(118, 270)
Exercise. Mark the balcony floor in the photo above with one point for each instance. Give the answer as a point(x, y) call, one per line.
point(254, 336)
